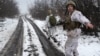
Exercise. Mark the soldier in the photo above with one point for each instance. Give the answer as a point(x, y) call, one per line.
point(73, 21)
point(51, 25)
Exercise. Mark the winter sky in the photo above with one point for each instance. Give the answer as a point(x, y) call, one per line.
point(23, 5)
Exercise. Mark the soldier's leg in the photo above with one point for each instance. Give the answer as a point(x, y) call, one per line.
point(49, 33)
point(75, 51)
point(68, 52)
point(71, 49)
point(72, 42)
point(68, 45)
point(75, 44)
point(53, 31)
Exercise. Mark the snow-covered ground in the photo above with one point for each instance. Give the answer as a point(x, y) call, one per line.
point(88, 45)
point(6, 31)
point(31, 43)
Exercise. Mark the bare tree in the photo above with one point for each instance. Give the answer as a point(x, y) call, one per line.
point(88, 8)
point(41, 7)
point(8, 8)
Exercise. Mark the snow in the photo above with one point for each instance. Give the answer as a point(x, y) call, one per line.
point(40, 23)
point(31, 43)
point(88, 45)
point(6, 31)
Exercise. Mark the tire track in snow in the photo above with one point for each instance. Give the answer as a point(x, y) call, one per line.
point(49, 49)
point(31, 43)
point(14, 45)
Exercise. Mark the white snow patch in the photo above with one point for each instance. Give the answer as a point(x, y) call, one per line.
point(6, 31)
point(40, 24)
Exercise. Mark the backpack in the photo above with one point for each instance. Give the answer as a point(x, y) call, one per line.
point(52, 20)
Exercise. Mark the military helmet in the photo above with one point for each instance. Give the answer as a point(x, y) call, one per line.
point(50, 11)
point(71, 3)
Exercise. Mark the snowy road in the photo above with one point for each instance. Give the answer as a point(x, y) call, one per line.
point(31, 43)
point(28, 40)
point(14, 45)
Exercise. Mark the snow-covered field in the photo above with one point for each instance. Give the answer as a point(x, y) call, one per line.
point(88, 45)
point(31, 43)
point(6, 31)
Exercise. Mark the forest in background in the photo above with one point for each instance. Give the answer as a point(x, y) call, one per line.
point(8, 8)
point(90, 8)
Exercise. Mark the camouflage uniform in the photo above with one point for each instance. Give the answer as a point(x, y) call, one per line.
point(73, 34)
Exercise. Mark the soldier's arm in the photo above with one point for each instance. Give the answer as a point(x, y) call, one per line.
point(82, 19)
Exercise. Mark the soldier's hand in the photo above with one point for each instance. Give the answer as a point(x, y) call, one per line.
point(89, 25)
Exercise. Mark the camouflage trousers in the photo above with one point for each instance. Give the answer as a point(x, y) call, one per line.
point(72, 42)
